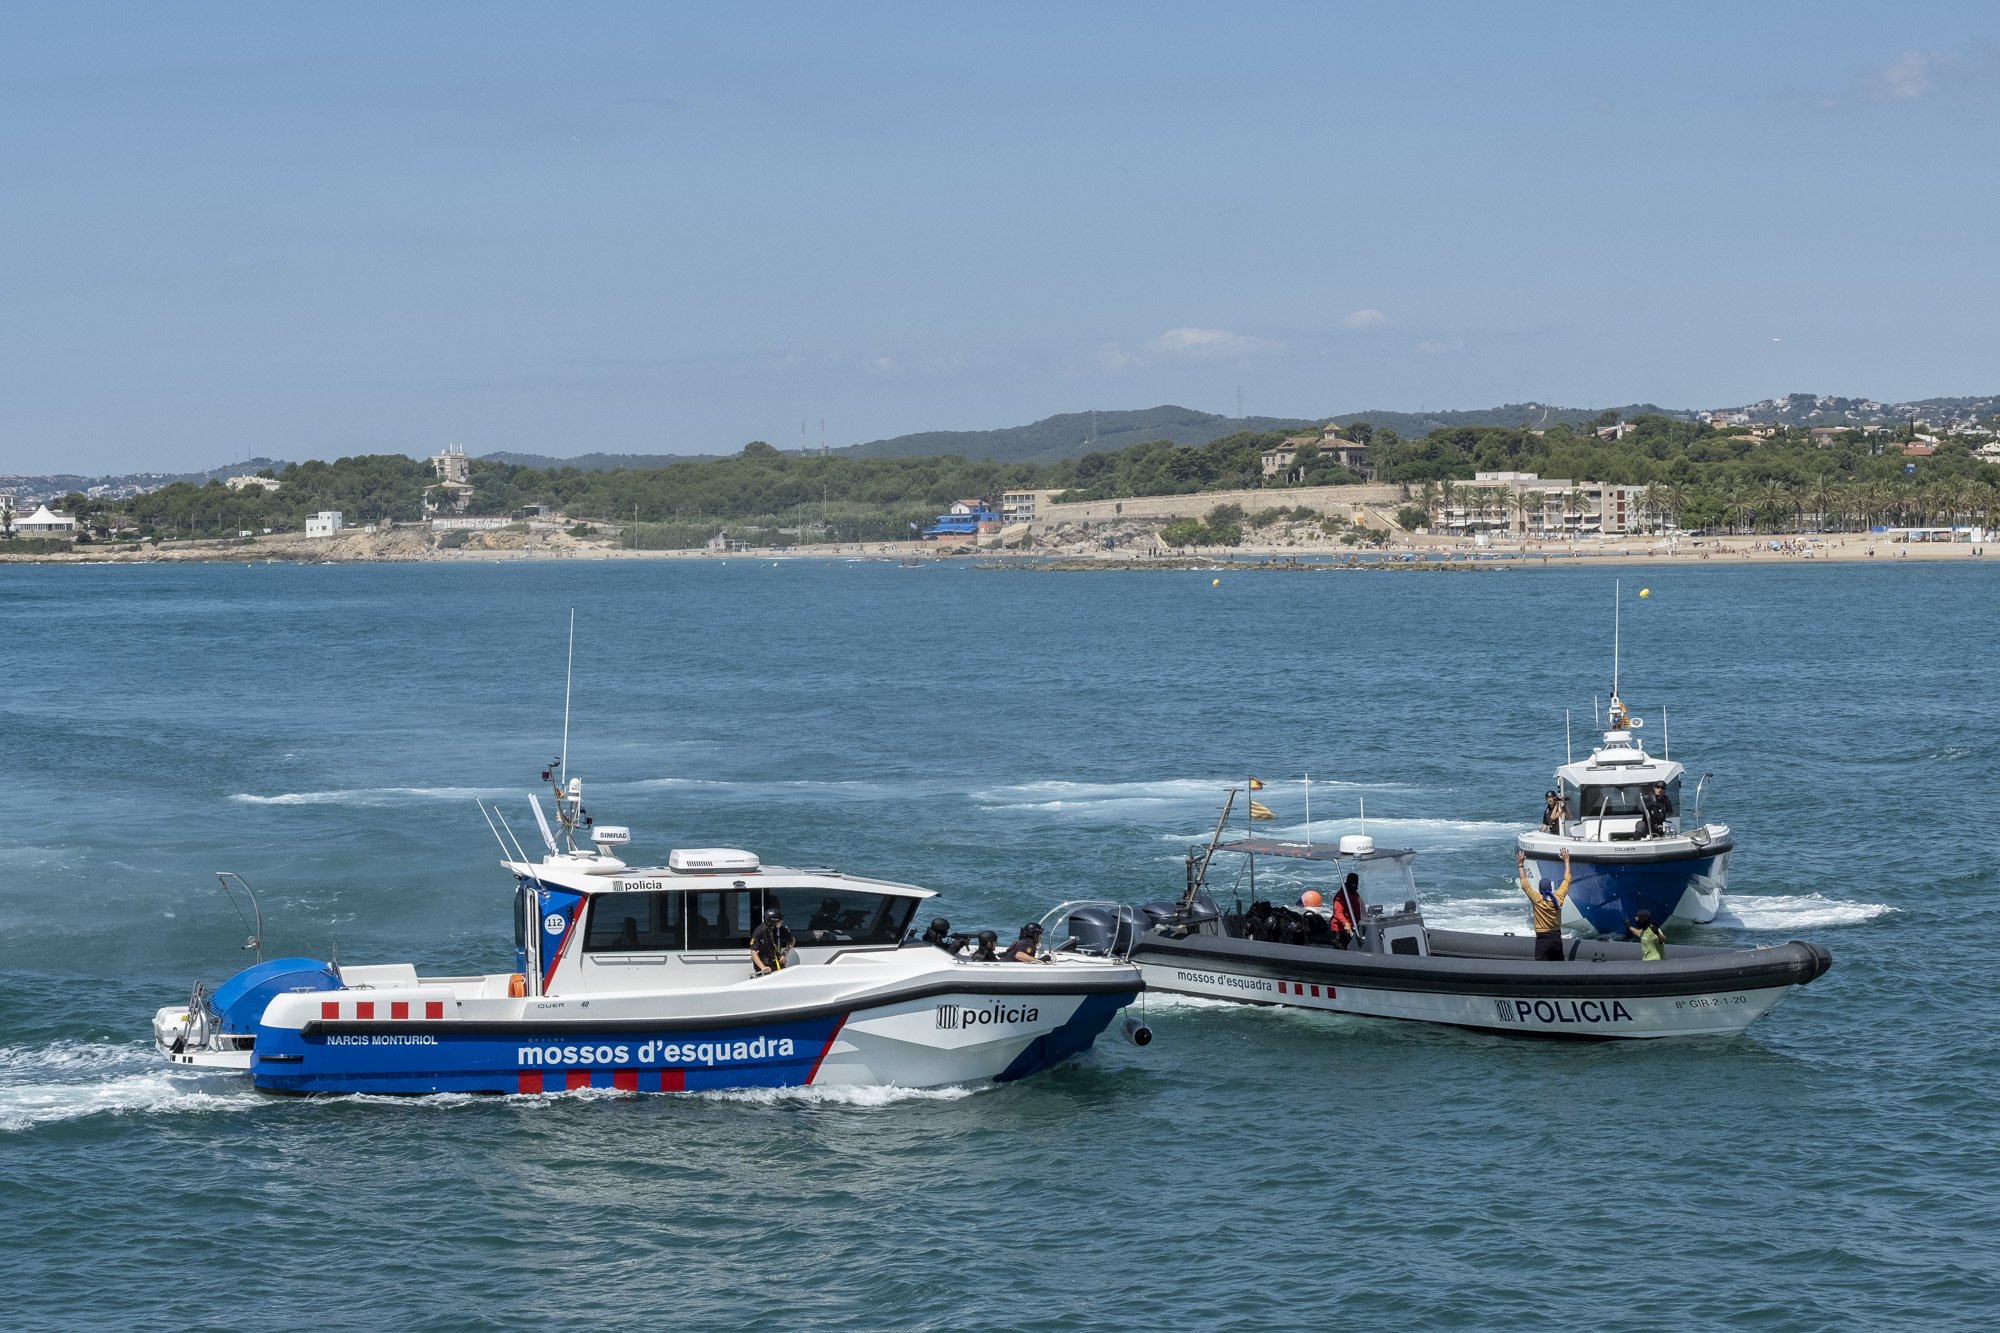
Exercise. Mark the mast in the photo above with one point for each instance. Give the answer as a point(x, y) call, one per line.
point(569, 671)
point(1617, 605)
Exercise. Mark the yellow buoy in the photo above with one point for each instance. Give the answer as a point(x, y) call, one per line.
point(1215, 583)
point(1645, 592)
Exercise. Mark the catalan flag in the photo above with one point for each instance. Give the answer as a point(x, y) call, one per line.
point(1258, 810)
point(1256, 784)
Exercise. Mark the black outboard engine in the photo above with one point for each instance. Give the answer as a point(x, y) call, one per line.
point(1106, 930)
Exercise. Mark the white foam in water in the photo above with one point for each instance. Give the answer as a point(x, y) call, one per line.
point(69, 1080)
point(372, 796)
point(1422, 835)
point(837, 1095)
point(1490, 916)
point(1058, 795)
point(1795, 912)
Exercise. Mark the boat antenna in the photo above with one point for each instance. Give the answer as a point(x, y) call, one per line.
point(569, 671)
point(1665, 744)
point(1569, 745)
point(1617, 605)
point(256, 940)
point(1309, 806)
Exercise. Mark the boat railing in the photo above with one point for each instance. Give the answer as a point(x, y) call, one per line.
point(1700, 787)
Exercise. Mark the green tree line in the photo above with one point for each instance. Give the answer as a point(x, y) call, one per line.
point(1695, 474)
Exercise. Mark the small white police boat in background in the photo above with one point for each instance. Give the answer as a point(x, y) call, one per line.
point(1392, 965)
point(640, 979)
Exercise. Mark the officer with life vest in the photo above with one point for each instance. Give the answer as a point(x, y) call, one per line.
point(1545, 901)
point(1347, 909)
point(771, 945)
point(1657, 808)
point(1023, 950)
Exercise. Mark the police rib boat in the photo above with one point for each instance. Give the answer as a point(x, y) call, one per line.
point(1368, 951)
point(641, 979)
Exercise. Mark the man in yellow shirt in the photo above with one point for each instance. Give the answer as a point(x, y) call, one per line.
point(1546, 902)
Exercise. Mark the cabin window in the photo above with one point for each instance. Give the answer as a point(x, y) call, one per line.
point(849, 917)
point(723, 920)
point(1613, 801)
point(634, 923)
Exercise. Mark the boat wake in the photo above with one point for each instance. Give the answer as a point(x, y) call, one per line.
point(372, 796)
point(1795, 912)
point(1111, 797)
point(70, 1080)
point(834, 1095)
point(1423, 835)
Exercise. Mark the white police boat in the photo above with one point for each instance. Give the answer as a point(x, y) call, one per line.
point(1624, 858)
point(1376, 957)
point(641, 980)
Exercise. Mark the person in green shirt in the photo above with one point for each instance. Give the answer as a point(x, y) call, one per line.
point(1652, 939)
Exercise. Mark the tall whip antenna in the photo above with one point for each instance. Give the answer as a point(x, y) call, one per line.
point(568, 671)
point(1617, 605)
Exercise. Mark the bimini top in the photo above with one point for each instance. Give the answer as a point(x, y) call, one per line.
point(697, 868)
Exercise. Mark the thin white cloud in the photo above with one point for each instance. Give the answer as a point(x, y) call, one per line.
point(883, 365)
point(1209, 345)
point(1364, 319)
point(1903, 79)
point(1440, 346)
point(1969, 75)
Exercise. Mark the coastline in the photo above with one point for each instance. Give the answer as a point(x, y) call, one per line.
point(412, 546)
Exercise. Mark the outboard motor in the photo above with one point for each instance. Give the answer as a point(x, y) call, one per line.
point(1106, 931)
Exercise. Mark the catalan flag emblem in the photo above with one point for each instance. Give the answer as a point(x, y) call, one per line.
point(1258, 810)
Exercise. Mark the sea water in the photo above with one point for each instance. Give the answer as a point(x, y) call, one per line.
point(1011, 739)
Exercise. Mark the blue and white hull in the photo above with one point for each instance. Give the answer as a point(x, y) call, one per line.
point(942, 1022)
point(1668, 878)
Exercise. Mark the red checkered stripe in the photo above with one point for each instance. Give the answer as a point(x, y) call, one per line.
point(1302, 989)
point(376, 1011)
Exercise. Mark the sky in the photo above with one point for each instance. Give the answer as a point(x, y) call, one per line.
point(298, 231)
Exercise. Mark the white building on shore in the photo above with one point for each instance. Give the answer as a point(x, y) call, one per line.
point(45, 522)
point(325, 523)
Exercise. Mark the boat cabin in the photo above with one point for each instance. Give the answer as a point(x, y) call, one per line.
point(688, 923)
point(1604, 798)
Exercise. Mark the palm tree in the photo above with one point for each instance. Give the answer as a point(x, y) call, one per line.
point(1522, 503)
point(1577, 502)
point(1772, 500)
point(1673, 500)
point(1821, 494)
point(1427, 496)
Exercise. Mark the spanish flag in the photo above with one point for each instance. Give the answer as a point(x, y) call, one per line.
point(1256, 784)
point(1258, 810)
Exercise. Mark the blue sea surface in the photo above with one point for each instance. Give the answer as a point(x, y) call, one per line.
point(1012, 739)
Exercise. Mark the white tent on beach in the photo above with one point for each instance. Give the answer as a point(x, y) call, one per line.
point(44, 522)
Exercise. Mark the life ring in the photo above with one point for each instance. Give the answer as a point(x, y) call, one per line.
point(517, 986)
